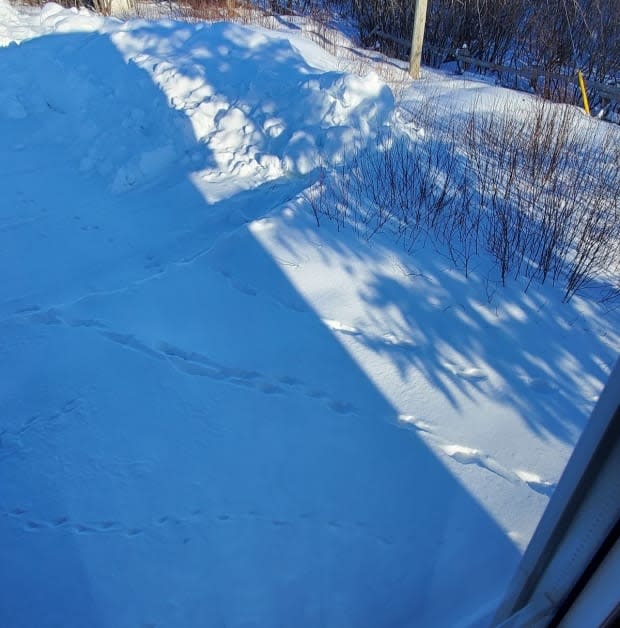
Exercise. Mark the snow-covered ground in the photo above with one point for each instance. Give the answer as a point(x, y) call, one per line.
point(214, 413)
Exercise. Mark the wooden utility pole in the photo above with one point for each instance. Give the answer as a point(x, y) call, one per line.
point(417, 39)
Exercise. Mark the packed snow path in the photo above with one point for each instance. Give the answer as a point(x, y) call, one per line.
point(213, 413)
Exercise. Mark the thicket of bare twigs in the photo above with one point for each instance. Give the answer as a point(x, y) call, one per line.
point(556, 36)
point(534, 192)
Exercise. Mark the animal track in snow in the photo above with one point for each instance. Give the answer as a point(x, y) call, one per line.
point(12, 441)
point(10, 444)
point(63, 523)
point(536, 483)
point(243, 287)
point(393, 340)
point(46, 317)
point(130, 341)
point(196, 518)
point(341, 327)
point(470, 374)
point(538, 385)
point(198, 365)
point(295, 306)
point(190, 363)
point(28, 309)
point(467, 455)
point(389, 340)
point(341, 407)
point(86, 322)
point(287, 380)
point(411, 421)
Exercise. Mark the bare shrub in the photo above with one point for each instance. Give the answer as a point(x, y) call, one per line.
point(534, 191)
point(550, 201)
point(556, 37)
point(402, 185)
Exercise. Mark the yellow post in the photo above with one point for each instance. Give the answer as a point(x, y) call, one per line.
point(584, 93)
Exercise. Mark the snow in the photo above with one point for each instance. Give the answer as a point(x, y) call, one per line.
point(214, 412)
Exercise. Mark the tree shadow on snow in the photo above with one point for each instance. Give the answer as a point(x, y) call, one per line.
point(470, 338)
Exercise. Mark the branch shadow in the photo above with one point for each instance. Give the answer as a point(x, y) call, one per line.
point(547, 360)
